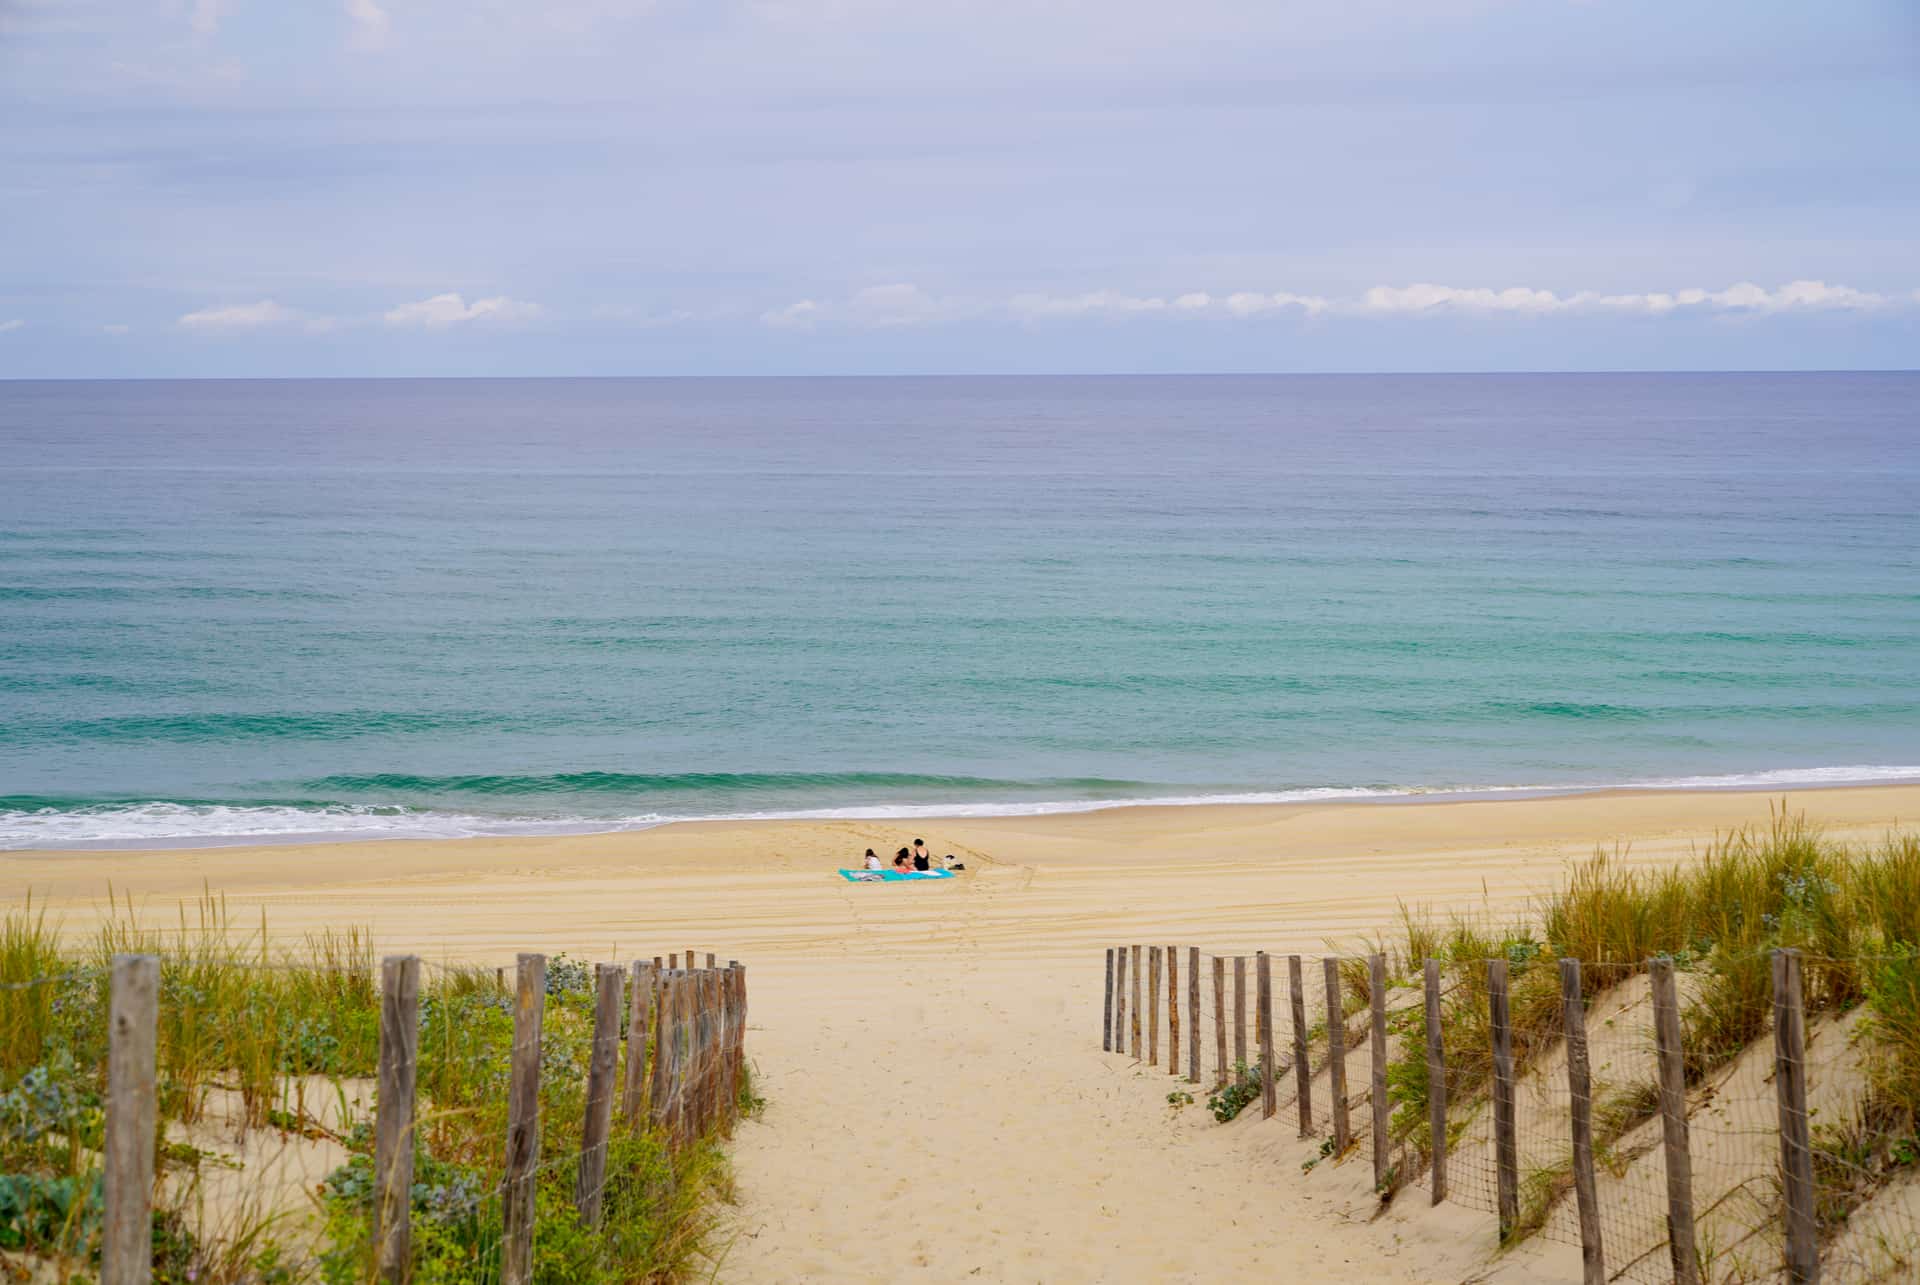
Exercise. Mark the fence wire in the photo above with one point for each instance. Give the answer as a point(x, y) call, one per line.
point(1863, 1151)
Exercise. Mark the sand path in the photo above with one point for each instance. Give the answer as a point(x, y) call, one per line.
point(939, 1108)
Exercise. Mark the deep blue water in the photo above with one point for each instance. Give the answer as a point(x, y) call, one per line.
point(355, 607)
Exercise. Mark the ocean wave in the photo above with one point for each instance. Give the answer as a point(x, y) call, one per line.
point(71, 824)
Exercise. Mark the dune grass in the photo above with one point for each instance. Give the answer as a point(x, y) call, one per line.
point(254, 1036)
point(1853, 912)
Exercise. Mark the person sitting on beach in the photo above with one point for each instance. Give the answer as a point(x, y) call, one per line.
point(902, 863)
point(921, 861)
point(873, 860)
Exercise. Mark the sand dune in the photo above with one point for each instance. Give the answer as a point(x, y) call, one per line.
point(939, 1107)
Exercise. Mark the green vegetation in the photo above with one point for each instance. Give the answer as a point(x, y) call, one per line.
point(256, 1039)
point(1854, 913)
point(1231, 1098)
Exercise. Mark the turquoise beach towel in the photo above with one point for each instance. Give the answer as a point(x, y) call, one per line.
point(893, 876)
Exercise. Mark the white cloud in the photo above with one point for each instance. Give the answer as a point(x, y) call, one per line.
point(903, 304)
point(370, 23)
point(1744, 297)
point(800, 315)
point(240, 316)
point(453, 310)
point(14, 324)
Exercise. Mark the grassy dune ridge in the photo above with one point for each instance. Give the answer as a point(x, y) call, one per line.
point(1852, 910)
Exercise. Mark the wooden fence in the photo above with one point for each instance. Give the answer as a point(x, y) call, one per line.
point(692, 1021)
point(1795, 1219)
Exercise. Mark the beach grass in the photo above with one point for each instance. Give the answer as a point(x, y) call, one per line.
point(258, 1042)
point(1853, 911)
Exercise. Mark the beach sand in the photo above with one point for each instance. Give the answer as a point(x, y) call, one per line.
point(939, 1108)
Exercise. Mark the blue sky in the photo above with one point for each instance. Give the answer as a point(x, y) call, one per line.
point(371, 187)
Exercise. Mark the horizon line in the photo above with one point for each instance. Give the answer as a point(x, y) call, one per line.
point(950, 375)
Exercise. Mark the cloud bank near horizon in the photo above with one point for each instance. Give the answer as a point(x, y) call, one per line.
point(234, 187)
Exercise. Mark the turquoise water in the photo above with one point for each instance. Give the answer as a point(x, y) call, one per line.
point(285, 608)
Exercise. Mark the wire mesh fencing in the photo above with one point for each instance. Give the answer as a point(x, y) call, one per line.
point(1715, 1118)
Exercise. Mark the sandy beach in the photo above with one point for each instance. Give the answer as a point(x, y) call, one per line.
point(939, 1108)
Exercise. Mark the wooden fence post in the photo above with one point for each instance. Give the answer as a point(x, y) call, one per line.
point(1137, 980)
point(1302, 1068)
point(1153, 1006)
point(1436, 1083)
point(1106, 1018)
point(710, 1058)
point(393, 1121)
point(1173, 1010)
point(1263, 1023)
point(523, 1122)
point(1506, 1145)
point(1219, 1021)
point(133, 1007)
point(740, 1039)
point(1681, 1247)
point(1120, 1000)
point(711, 964)
point(1377, 1059)
point(1337, 1056)
point(639, 1018)
point(660, 1077)
point(1193, 1014)
point(1239, 1012)
point(1790, 1088)
point(736, 1036)
point(1580, 1088)
point(591, 1180)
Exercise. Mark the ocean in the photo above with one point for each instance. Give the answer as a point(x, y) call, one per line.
point(282, 609)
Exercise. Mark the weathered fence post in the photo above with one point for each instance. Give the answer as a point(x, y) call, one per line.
point(1120, 1000)
point(1106, 1017)
point(1219, 1021)
point(523, 1122)
point(1790, 1088)
point(1580, 1088)
point(1302, 1068)
point(1506, 1144)
point(1377, 1059)
point(1173, 1010)
point(660, 1080)
point(737, 1037)
point(710, 1059)
point(1337, 1056)
point(1153, 1006)
point(597, 1125)
point(1436, 1082)
point(740, 1043)
point(1239, 1012)
point(133, 1007)
point(1673, 1122)
point(711, 964)
point(1193, 1014)
point(639, 1013)
point(393, 1122)
point(1263, 1022)
point(1137, 980)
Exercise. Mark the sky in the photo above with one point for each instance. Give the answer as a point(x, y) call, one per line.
point(458, 187)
